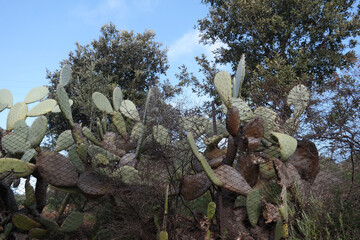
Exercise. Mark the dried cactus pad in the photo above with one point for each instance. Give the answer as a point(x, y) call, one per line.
point(93, 184)
point(56, 169)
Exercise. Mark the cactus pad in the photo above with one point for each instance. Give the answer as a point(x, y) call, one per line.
point(299, 96)
point(239, 77)
point(222, 83)
point(119, 123)
point(18, 167)
point(102, 103)
point(128, 109)
point(93, 184)
point(128, 175)
point(56, 169)
point(30, 199)
point(209, 172)
point(15, 143)
point(21, 129)
point(287, 143)
point(6, 98)
point(37, 131)
point(17, 112)
point(65, 75)
point(117, 98)
point(253, 206)
point(211, 210)
point(24, 223)
point(193, 186)
point(36, 94)
point(37, 233)
point(42, 108)
point(232, 180)
point(64, 104)
point(72, 222)
point(89, 135)
point(64, 141)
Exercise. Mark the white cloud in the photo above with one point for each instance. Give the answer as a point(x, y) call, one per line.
point(188, 45)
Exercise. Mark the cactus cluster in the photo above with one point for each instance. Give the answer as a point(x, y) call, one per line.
point(260, 151)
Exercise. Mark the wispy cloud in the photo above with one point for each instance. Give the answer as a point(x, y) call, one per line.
point(188, 45)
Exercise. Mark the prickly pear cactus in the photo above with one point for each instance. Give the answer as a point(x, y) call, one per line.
point(256, 158)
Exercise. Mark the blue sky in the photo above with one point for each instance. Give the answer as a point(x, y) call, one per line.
point(36, 35)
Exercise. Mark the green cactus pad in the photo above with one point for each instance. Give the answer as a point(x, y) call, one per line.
point(42, 108)
point(75, 159)
point(36, 94)
point(21, 129)
point(209, 172)
point(240, 201)
point(6, 232)
point(2, 107)
point(102, 103)
point(161, 135)
point(163, 235)
point(82, 151)
point(253, 206)
point(135, 132)
point(210, 212)
point(56, 169)
point(56, 109)
point(94, 150)
point(37, 131)
point(37, 233)
point(222, 83)
point(72, 222)
point(6, 98)
point(15, 144)
point(128, 175)
point(89, 135)
point(64, 141)
point(101, 160)
point(299, 96)
point(128, 109)
point(245, 112)
point(119, 123)
point(117, 98)
point(287, 143)
point(279, 231)
point(65, 75)
point(17, 112)
point(28, 155)
point(93, 184)
point(64, 104)
point(50, 225)
point(30, 200)
point(239, 77)
point(24, 223)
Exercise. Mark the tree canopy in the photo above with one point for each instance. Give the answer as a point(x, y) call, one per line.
point(285, 43)
point(132, 61)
